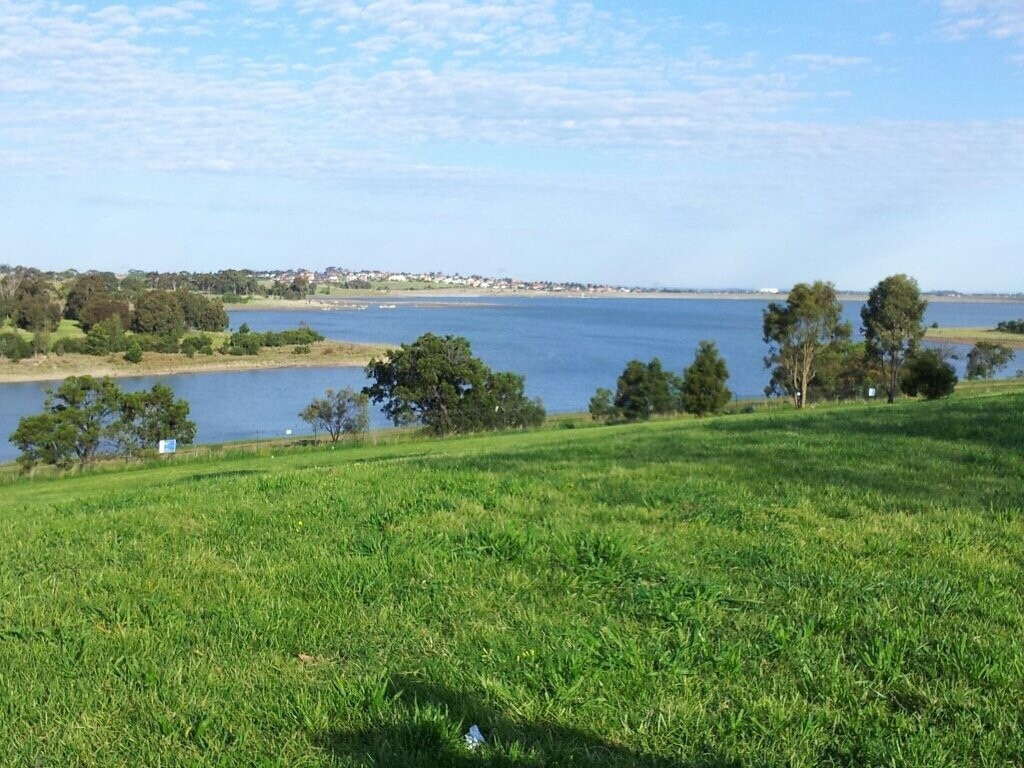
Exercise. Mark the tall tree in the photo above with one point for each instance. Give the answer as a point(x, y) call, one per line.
point(799, 332)
point(84, 289)
point(893, 325)
point(34, 308)
point(160, 313)
point(703, 387)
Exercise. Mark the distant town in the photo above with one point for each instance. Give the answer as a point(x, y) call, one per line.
point(305, 283)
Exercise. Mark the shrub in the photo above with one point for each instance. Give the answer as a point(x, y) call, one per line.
point(153, 343)
point(928, 375)
point(14, 347)
point(68, 346)
point(301, 349)
point(134, 352)
point(1011, 326)
point(203, 344)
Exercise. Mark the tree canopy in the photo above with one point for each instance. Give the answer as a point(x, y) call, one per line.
point(85, 416)
point(893, 327)
point(987, 358)
point(799, 332)
point(438, 382)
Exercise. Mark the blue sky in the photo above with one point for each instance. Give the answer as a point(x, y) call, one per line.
point(700, 144)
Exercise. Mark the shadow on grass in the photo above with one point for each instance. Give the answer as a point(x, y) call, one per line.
point(429, 727)
point(222, 475)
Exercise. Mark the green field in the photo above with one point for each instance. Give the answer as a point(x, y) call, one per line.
point(841, 586)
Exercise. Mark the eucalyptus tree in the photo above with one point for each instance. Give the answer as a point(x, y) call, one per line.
point(799, 331)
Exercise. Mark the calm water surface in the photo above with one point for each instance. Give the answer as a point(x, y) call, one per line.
point(566, 348)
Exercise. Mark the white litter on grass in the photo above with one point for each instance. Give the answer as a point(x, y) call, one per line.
point(474, 738)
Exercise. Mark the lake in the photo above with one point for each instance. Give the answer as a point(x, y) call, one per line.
point(565, 347)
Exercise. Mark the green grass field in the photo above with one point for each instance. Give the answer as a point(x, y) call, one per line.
point(841, 586)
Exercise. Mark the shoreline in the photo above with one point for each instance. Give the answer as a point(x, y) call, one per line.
point(970, 336)
point(323, 354)
point(337, 302)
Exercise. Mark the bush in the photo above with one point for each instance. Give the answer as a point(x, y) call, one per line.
point(301, 349)
point(67, 346)
point(153, 343)
point(1011, 326)
point(14, 347)
point(928, 375)
point(203, 344)
point(134, 352)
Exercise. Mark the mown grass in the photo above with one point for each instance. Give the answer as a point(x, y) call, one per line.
point(834, 587)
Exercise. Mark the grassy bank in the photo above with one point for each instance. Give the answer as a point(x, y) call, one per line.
point(835, 587)
point(974, 335)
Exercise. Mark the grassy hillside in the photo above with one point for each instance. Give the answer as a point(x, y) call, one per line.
point(836, 587)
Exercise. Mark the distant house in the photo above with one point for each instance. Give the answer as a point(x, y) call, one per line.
point(772, 291)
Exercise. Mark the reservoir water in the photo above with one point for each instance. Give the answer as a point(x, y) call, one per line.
point(565, 347)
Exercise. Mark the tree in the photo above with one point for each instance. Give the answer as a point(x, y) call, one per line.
point(601, 405)
point(153, 415)
point(159, 313)
point(799, 332)
point(84, 414)
point(14, 347)
point(33, 307)
point(893, 325)
point(201, 313)
point(438, 382)
point(703, 387)
point(501, 403)
point(929, 375)
point(84, 289)
point(986, 359)
point(45, 438)
point(102, 307)
point(78, 415)
point(105, 337)
point(342, 412)
point(644, 389)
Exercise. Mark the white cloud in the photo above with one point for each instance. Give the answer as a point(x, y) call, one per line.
point(828, 61)
point(1000, 19)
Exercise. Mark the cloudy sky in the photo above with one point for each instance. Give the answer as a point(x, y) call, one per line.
point(677, 143)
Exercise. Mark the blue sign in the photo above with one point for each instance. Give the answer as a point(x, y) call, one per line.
point(167, 446)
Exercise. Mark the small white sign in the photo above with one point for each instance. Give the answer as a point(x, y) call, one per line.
point(287, 431)
point(167, 446)
point(871, 392)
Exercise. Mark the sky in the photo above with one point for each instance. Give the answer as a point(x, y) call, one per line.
point(700, 144)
